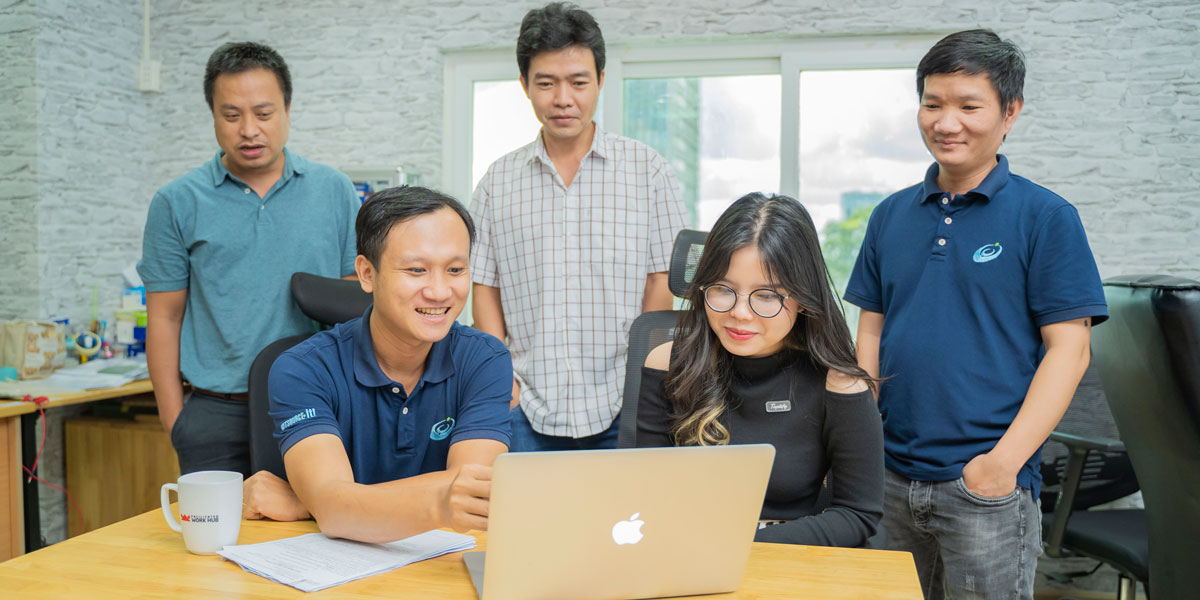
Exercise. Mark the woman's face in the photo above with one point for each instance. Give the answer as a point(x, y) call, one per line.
point(742, 331)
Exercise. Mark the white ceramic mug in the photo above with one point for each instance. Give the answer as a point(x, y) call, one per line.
point(210, 506)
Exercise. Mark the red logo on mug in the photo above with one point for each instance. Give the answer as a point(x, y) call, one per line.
point(200, 518)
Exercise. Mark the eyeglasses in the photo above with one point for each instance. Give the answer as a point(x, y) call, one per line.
point(722, 298)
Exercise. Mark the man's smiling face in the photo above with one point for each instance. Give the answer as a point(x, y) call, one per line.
point(962, 123)
point(421, 282)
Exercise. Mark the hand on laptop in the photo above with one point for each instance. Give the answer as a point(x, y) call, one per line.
point(466, 499)
point(264, 494)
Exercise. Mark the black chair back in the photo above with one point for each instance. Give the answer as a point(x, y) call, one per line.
point(329, 301)
point(653, 329)
point(264, 450)
point(324, 300)
point(1106, 476)
point(1148, 357)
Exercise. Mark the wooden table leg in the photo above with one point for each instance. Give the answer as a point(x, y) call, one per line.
point(12, 513)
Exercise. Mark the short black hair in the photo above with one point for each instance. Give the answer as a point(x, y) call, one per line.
point(555, 27)
point(236, 57)
point(973, 52)
point(385, 208)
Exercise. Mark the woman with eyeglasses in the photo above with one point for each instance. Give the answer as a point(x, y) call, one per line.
point(762, 354)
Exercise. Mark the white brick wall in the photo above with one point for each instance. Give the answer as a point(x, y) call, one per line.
point(92, 152)
point(18, 162)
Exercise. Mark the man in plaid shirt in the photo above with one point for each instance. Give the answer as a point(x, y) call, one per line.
point(575, 236)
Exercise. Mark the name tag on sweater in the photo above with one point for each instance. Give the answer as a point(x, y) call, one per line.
point(775, 406)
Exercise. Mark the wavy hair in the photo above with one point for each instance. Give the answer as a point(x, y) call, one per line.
point(786, 239)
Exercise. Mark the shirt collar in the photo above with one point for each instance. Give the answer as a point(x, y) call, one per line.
point(438, 365)
point(602, 147)
point(987, 189)
point(292, 165)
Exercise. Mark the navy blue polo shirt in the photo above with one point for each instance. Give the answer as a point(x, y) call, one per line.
point(965, 284)
point(332, 383)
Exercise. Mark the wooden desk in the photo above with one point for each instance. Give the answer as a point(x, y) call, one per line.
point(19, 528)
point(12, 408)
point(141, 557)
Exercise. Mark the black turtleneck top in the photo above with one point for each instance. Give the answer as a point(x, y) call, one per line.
point(781, 400)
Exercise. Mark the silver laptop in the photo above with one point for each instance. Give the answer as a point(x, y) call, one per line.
point(637, 523)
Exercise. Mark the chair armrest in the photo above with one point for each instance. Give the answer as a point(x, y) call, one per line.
point(1075, 441)
point(1078, 447)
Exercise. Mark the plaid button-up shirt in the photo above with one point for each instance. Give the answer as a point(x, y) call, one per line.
point(571, 265)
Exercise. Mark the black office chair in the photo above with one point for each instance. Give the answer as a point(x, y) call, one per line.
point(1106, 476)
point(1084, 462)
point(653, 329)
point(324, 300)
point(1148, 358)
point(329, 301)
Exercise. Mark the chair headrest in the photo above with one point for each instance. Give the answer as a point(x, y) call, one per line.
point(1173, 307)
point(685, 255)
point(329, 301)
point(1166, 282)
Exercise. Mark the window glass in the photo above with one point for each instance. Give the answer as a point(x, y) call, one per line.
point(720, 135)
point(502, 122)
point(858, 143)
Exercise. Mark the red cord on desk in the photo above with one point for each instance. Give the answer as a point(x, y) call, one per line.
point(39, 401)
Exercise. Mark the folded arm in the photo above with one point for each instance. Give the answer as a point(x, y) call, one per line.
point(323, 485)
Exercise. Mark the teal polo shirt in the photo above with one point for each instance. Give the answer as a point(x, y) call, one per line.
point(235, 253)
point(965, 285)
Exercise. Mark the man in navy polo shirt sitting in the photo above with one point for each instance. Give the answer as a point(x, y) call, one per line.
point(389, 423)
point(978, 291)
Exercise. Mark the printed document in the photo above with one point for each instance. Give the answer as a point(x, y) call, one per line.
point(314, 562)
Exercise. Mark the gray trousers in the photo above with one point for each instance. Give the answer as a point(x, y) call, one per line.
point(964, 545)
point(212, 434)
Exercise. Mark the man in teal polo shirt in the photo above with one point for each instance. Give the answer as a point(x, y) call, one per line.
point(220, 246)
point(978, 291)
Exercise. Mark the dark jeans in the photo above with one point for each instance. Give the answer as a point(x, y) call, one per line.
point(212, 434)
point(964, 545)
point(526, 439)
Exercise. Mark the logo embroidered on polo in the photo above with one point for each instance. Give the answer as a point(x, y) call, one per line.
point(441, 430)
point(988, 252)
point(307, 413)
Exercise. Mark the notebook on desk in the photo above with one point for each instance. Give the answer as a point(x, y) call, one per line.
point(637, 523)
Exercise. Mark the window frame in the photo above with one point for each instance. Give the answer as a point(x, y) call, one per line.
point(649, 59)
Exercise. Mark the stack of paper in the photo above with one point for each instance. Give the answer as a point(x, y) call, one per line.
point(314, 562)
point(96, 374)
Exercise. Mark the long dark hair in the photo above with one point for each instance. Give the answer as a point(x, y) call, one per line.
point(786, 239)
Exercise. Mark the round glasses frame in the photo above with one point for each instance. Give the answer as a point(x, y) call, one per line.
point(749, 299)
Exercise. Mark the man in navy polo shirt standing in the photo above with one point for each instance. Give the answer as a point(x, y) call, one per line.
point(978, 291)
point(389, 423)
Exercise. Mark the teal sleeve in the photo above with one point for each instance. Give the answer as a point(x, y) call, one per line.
point(164, 264)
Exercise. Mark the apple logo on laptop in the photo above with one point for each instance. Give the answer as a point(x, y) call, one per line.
point(628, 532)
